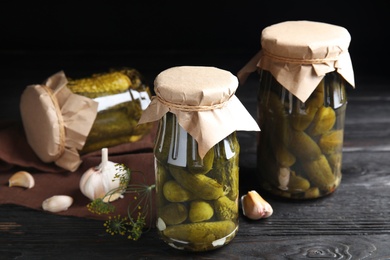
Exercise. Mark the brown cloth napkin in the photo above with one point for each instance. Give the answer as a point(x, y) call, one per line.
point(16, 154)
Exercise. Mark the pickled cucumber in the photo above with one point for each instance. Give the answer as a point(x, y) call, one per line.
point(298, 183)
point(174, 213)
point(331, 142)
point(200, 211)
point(283, 156)
point(303, 146)
point(200, 185)
point(195, 163)
point(323, 121)
point(226, 171)
point(174, 192)
point(277, 117)
point(203, 233)
point(320, 173)
point(226, 208)
point(300, 118)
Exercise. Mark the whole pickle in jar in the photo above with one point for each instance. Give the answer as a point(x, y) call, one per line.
point(283, 156)
point(323, 121)
point(196, 164)
point(303, 114)
point(202, 233)
point(277, 116)
point(200, 185)
point(303, 146)
point(320, 174)
point(101, 84)
point(298, 183)
point(225, 168)
point(174, 213)
point(331, 142)
point(225, 208)
point(174, 192)
point(200, 210)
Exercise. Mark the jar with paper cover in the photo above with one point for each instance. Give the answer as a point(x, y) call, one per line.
point(122, 94)
point(304, 69)
point(197, 155)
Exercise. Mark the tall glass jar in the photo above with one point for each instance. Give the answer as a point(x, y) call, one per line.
point(197, 204)
point(197, 155)
point(304, 67)
point(299, 150)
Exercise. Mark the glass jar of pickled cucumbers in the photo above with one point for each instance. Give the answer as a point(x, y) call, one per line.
point(299, 150)
point(197, 155)
point(122, 95)
point(304, 69)
point(197, 197)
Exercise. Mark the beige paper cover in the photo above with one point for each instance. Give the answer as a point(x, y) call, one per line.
point(204, 102)
point(299, 54)
point(56, 121)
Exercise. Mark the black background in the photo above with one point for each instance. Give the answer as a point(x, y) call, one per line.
point(173, 26)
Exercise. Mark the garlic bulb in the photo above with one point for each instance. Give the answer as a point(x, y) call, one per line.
point(254, 206)
point(57, 203)
point(97, 181)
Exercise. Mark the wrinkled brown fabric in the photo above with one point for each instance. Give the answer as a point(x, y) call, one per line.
point(15, 155)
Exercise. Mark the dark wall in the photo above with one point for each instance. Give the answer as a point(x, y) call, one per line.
point(186, 25)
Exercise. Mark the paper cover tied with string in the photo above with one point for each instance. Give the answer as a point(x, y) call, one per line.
point(204, 102)
point(56, 121)
point(300, 53)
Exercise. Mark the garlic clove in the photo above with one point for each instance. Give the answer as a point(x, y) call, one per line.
point(21, 179)
point(57, 203)
point(112, 197)
point(254, 206)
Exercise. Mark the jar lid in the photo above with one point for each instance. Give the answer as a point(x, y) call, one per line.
point(56, 121)
point(204, 102)
point(300, 53)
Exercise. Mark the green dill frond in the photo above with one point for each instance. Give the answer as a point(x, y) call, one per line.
point(134, 224)
point(98, 206)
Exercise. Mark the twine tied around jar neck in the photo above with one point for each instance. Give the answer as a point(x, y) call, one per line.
point(61, 124)
point(190, 108)
point(302, 61)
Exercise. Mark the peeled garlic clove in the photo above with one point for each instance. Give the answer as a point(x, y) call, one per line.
point(254, 206)
point(57, 203)
point(21, 179)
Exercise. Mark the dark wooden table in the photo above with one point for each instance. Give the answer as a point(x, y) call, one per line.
point(352, 223)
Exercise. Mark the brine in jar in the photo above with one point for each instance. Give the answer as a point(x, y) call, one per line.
point(299, 150)
point(197, 206)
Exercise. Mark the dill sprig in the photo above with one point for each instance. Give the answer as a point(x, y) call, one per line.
point(134, 224)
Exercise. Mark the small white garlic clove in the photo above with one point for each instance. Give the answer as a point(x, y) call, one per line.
point(254, 206)
point(112, 197)
point(21, 179)
point(57, 203)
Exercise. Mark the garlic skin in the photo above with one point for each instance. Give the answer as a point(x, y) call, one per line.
point(254, 206)
point(57, 203)
point(97, 181)
point(21, 179)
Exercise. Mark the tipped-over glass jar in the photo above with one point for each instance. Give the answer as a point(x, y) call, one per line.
point(197, 155)
point(304, 67)
point(122, 95)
